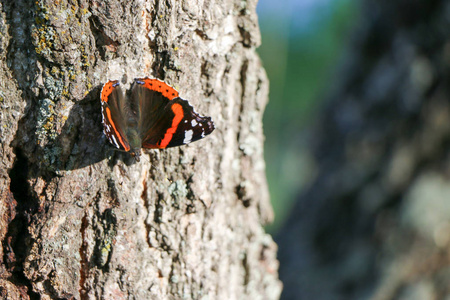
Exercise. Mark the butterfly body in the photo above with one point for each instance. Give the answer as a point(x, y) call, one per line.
point(152, 116)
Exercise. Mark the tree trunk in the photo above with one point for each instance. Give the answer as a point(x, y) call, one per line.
point(80, 220)
point(374, 223)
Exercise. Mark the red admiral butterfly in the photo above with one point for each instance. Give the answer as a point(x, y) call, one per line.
point(152, 116)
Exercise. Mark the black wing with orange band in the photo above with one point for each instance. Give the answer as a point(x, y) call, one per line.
point(165, 119)
point(113, 114)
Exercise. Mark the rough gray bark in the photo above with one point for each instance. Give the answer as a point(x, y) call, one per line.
point(79, 220)
point(374, 223)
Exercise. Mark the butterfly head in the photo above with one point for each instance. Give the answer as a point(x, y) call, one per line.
point(136, 153)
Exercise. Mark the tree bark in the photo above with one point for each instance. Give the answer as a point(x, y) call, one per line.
point(374, 224)
point(79, 220)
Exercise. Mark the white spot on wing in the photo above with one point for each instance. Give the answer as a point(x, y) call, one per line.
point(103, 115)
point(115, 141)
point(188, 136)
point(194, 123)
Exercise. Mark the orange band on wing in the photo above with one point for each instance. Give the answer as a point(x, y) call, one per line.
point(117, 134)
point(159, 86)
point(179, 114)
point(107, 90)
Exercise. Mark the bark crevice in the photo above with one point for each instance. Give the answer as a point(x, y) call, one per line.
point(16, 245)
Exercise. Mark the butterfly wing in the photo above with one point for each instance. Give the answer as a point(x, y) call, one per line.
point(114, 114)
point(186, 127)
point(165, 119)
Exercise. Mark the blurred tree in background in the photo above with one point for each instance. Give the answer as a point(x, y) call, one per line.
point(374, 220)
point(302, 41)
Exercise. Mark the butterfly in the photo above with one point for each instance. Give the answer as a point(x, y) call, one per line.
point(151, 116)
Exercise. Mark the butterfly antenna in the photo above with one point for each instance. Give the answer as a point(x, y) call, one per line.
point(146, 159)
point(151, 165)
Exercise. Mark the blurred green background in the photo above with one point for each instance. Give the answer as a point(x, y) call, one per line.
point(302, 42)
